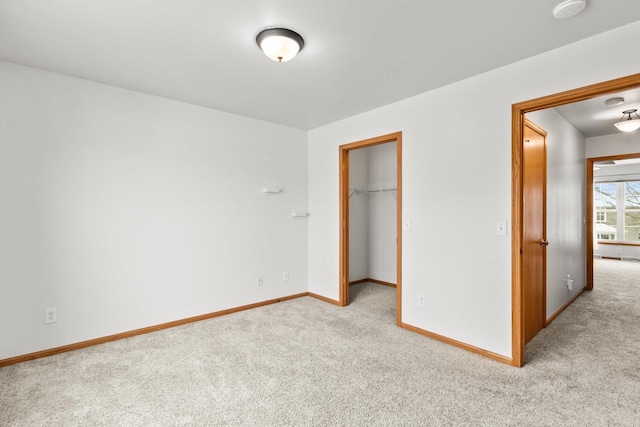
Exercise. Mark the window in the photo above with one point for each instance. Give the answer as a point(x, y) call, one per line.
point(632, 211)
point(606, 201)
point(617, 211)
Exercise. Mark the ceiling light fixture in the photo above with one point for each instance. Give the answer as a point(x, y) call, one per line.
point(569, 8)
point(280, 44)
point(628, 124)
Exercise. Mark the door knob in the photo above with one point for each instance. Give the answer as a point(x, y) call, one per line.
point(544, 242)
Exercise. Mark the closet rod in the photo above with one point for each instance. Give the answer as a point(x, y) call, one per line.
point(353, 191)
point(380, 190)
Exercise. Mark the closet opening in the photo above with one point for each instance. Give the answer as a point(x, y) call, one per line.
point(371, 215)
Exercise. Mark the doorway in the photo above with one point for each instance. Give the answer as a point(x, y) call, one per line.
point(345, 193)
point(517, 254)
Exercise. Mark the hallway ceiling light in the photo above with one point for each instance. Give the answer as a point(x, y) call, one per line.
point(569, 8)
point(629, 124)
point(280, 44)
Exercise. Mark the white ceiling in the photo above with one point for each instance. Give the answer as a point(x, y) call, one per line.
point(359, 54)
point(594, 118)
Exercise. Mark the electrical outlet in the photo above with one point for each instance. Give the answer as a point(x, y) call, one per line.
point(260, 281)
point(285, 276)
point(50, 315)
point(619, 250)
point(422, 300)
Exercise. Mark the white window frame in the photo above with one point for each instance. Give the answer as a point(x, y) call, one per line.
point(620, 218)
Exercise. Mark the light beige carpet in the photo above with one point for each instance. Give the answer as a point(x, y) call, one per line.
point(306, 362)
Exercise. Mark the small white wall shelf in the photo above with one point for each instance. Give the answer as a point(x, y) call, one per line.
point(271, 189)
point(299, 214)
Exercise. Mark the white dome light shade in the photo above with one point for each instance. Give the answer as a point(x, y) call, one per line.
point(279, 48)
point(280, 44)
point(628, 125)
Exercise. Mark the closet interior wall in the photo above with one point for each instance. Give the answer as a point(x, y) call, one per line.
point(372, 213)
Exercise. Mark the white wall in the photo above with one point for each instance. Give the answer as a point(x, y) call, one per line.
point(125, 210)
point(383, 211)
point(610, 145)
point(616, 251)
point(358, 215)
point(456, 186)
point(566, 207)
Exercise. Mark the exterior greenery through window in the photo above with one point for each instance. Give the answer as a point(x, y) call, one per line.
point(617, 206)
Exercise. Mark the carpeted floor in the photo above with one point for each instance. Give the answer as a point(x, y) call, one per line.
point(306, 362)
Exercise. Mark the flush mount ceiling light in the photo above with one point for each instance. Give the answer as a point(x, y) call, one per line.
point(569, 8)
point(280, 44)
point(628, 124)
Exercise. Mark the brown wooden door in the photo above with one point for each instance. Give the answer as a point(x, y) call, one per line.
point(534, 233)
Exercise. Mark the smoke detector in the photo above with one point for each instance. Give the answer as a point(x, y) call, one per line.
point(569, 8)
point(612, 102)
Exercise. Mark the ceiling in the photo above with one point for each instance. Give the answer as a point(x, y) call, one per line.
point(594, 118)
point(358, 55)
